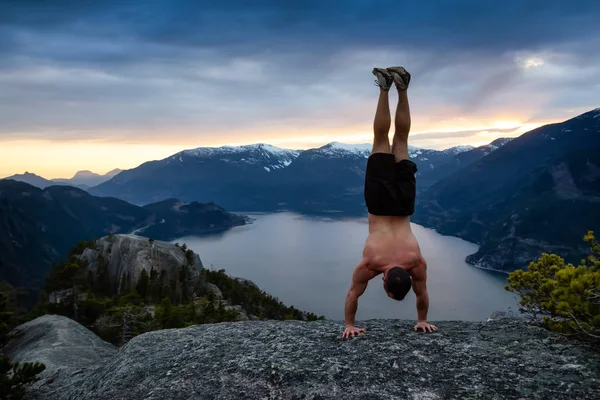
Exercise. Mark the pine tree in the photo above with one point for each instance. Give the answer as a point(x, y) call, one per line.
point(163, 313)
point(153, 287)
point(189, 256)
point(142, 285)
point(567, 296)
point(183, 283)
point(163, 285)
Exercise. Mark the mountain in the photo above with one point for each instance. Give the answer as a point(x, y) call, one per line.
point(38, 227)
point(113, 172)
point(458, 149)
point(82, 179)
point(86, 179)
point(499, 359)
point(261, 177)
point(225, 175)
point(174, 218)
point(438, 165)
point(538, 193)
point(32, 179)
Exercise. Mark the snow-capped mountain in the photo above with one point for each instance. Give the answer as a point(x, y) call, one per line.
point(266, 155)
point(496, 144)
point(337, 150)
point(264, 177)
point(458, 149)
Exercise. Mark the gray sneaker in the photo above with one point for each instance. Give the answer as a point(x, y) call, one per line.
point(401, 77)
point(384, 78)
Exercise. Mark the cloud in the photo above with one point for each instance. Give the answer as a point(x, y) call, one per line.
point(133, 70)
point(463, 134)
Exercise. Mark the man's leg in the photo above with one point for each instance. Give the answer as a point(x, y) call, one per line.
point(381, 124)
point(402, 122)
point(402, 119)
point(383, 120)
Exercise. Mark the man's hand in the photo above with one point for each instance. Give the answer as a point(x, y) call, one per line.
point(425, 327)
point(352, 331)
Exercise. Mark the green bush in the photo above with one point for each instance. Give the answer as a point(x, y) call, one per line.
point(566, 296)
point(254, 300)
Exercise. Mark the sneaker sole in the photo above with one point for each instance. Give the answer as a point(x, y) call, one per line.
point(383, 71)
point(403, 74)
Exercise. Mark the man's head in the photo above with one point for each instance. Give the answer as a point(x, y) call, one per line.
point(397, 283)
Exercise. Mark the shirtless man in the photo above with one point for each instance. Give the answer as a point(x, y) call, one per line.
point(391, 248)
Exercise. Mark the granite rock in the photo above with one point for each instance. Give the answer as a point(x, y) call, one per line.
point(67, 349)
point(246, 282)
point(130, 254)
point(242, 315)
point(501, 359)
point(215, 289)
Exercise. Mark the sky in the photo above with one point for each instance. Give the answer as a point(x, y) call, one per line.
point(111, 84)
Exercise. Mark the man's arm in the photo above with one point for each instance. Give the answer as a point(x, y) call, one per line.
point(360, 279)
point(420, 288)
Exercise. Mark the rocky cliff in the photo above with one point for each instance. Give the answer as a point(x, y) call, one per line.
point(499, 359)
point(130, 254)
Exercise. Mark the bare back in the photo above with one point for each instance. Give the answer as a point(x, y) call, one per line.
point(391, 242)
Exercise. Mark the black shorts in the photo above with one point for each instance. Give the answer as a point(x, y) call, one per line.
point(390, 186)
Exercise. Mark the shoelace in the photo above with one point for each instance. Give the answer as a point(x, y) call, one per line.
point(379, 84)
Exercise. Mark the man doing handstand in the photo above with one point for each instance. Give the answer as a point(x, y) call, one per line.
point(391, 248)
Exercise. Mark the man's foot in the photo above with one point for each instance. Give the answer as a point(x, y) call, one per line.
point(384, 78)
point(401, 77)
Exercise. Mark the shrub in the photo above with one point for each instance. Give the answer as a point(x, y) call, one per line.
point(567, 297)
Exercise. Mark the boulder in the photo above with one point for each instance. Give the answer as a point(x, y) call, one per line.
point(503, 359)
point(242, 316)
point(59, 296)
point(215, 289)
point(69, 350)
point(247, 282)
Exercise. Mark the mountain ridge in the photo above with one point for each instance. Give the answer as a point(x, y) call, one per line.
point(83, 179)
point(38, 227)
point(261, 177)
point(538, 193)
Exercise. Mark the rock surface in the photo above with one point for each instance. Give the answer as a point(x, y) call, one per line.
point(504, 359)
point(246, 282)
point(129, 254)
point(242, 315)
point(215, 289)
point(69, 351)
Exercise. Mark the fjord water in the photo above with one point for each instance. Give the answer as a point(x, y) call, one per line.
point(307, 262)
